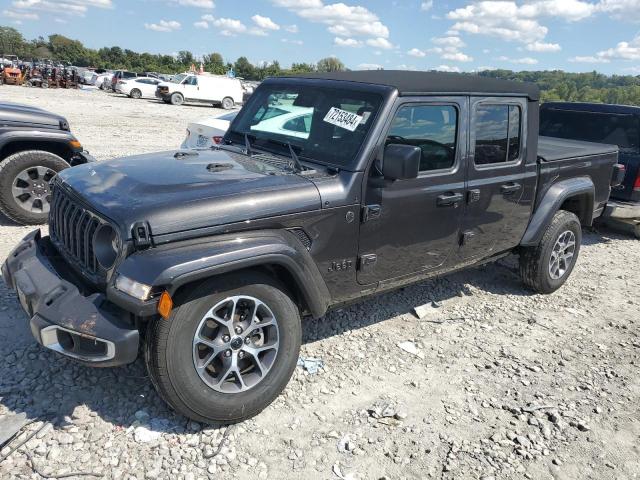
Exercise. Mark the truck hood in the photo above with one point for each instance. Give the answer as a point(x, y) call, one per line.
point(175, 193)
point(18, 113)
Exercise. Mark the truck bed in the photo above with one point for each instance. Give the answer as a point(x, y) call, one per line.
point(551, 149)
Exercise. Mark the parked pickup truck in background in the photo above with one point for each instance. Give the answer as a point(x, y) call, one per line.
point(615, 124)
point(211, 258)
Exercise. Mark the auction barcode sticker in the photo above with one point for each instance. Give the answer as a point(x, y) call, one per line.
point(343, 119)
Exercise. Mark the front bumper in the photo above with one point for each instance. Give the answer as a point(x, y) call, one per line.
point(78, 324)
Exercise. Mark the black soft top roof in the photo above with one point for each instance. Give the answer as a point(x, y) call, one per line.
point(419, 83)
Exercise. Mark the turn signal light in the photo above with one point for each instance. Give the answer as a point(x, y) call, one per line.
point(75, 144)
point(165, 305)
point(217, 140)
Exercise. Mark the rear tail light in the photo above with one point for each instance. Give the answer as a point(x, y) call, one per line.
point(217, 140)
point(636, 184)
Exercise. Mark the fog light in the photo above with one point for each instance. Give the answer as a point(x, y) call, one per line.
point(131, 287)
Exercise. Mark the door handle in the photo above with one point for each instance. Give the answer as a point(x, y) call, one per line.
point(510, 188)
point(449, 199)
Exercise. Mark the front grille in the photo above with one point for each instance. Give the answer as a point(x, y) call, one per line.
point(71, 228)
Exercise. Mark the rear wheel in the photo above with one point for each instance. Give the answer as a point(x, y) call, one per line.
point(135, 93)
point(227, 103)
point(547, 266)
point(25, 192)
point(177, 99)
point(227, 351)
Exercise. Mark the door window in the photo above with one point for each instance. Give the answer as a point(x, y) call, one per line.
point(191, 80)
point(497, 131)
point(432, 128)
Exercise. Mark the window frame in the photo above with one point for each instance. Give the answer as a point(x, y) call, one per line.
point(456, 103)
point(521, 103)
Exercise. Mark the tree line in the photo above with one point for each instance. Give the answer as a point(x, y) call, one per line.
point(555, 85)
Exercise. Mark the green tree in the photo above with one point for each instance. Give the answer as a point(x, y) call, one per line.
point(330, 64)
point(245, 69)
point(214, 63)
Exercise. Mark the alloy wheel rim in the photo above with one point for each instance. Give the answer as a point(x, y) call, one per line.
point(235, 344)
point(31, 189)
point(562, 255)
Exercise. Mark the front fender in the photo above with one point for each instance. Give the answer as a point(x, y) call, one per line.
point(176, 264)
point(551, 203)
point(27, 135)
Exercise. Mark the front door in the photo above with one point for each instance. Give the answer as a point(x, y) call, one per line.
point(191, 88)
point(496, 215)
point(410, 227)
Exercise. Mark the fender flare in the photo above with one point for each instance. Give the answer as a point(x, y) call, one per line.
point(174, 265)
point(23, 135)
point(553, 199)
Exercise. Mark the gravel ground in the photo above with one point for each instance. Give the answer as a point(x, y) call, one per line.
point(498, 383)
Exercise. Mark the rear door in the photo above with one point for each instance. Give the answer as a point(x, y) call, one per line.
point(495, 217)
point(411, 227)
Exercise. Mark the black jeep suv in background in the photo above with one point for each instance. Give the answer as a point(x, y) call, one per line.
point(34, 146)
point(373, 181)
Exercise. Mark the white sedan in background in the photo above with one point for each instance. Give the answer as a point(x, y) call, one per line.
point(138, 87)
point(283, 119)
point(208, 131)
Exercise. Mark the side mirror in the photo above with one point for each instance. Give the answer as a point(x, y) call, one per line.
point(401, 162)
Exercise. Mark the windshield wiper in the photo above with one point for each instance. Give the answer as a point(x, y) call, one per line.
point(247, 144)
point(295, 161)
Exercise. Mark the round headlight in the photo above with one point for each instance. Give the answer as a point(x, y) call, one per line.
point(106, 245)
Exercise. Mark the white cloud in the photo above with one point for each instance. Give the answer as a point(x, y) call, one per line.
point(543, 47)
point(369, 66)
point(426, 6)
point(19, 15)
point(521, 61)
point(447, 68)
point(628, 10)
point(456, 57)
point(346, 42)
point(416, 52)
point(163, 26)
point(627, 51)
point(229, 27)
point(342, 20)
point(195, 3)
point(380, 42)
point(68, 7)
point(511, 21)
point(201, 24)
point(293, 42)
point(588, 59)
point(291, 28)
point(265, 23)
point(450, 41)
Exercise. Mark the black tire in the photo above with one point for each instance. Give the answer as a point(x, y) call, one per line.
point(10, 168)
point(135, 93)
point(227, 103)
point(177, 99)
point(44, 85)
point(169, 354)
point(535, 261)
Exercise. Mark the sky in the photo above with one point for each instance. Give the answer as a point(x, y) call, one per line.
point(571, 35)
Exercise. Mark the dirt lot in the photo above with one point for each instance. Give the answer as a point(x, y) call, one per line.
point(502, 384)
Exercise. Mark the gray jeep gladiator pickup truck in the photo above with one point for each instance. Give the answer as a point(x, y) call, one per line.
point(34, 146)
point(209, 259)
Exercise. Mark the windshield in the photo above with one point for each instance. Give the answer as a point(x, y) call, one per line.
point(324, 125)
point(178, 78)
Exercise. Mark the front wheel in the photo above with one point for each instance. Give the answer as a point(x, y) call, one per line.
point(135, 94)
point(25, 191)
point(227, 103)
point(177, 99)
point(228, 349)
point(547, 266)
